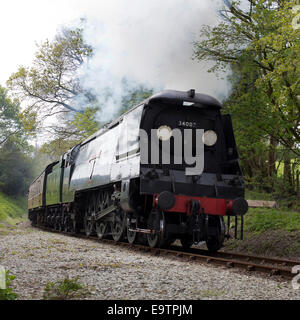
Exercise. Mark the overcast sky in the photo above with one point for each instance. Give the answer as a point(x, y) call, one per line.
point(23, 23)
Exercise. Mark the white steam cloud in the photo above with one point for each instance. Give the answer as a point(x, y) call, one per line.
point(148, 43)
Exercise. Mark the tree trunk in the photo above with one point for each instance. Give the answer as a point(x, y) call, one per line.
point(297, 183)
point(272, 157)
point(287, 176)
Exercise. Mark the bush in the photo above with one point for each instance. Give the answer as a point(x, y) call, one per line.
point(8, 293)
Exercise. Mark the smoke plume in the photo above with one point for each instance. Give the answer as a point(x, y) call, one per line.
point(146, 43)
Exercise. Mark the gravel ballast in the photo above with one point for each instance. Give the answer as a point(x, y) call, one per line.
point(111, 272)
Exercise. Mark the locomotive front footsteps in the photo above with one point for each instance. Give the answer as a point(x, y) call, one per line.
point(115, 185)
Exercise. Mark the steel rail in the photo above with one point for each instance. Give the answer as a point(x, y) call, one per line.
point(242, 256)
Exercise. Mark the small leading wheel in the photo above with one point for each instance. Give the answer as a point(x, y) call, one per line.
point(156, 222)
point(216, 236)
point(101, 228)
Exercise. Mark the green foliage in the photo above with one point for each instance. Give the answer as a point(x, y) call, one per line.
point(284, 200)
point(83, 125)
point(8, 293)
point(12, 126)
point(65, 289)
point(258, 195)
point(55, 148)
point(52, 87)
point(52, 84)
point(134, 96)
point(261, 219)
point(15, 162)
point(86, 122)
point(263, 45)
point(266, 165)
point(16, 170)
point(29, 120)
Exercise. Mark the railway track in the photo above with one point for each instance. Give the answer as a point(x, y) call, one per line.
point(267, 265)
point(270, 266)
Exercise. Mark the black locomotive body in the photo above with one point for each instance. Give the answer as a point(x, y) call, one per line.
point(107, 186)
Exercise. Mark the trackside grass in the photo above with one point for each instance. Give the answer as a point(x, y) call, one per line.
point(12, 210)
point(263, 219)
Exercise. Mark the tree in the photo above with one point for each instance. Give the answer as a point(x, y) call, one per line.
point(52, 88)
point(55, 148)
point(52, 84)
point(13, 125)
point(16, 170)
point(258, 155)
point(261, 39)
point(75, 131)
point(135, 95)
point(86, 122)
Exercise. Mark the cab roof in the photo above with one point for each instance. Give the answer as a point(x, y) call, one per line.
point(189, 98)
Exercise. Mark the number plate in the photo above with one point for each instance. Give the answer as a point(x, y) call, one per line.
point(187, 124)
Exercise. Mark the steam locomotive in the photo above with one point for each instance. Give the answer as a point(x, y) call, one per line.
point(108, 187)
